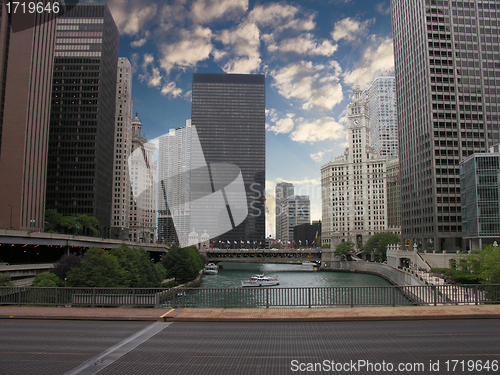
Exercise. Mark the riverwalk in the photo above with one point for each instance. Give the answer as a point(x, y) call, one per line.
point(334, 314)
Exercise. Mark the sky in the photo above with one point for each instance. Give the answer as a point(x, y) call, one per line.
point(313, 54)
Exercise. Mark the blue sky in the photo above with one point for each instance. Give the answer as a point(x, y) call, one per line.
point(313, 53)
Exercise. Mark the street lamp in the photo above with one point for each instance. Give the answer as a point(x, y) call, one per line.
point(10, 226)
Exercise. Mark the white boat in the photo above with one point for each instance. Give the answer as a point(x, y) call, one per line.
point(260, 280)
point(211, 269)
point(310, 264)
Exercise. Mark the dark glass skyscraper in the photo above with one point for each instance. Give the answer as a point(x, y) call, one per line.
point(228, 112)
point(81, 139)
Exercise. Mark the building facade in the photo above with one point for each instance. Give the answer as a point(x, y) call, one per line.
point(26, 63)
point(354, 185)
point(82, 118)
point(283, 190)
point(228, 111)
point(143, 176)
point(307, 235)
point(446, 63)
point(295, 210)
point(480, 187)
point(393, 196)
point(120, 219)
point(381, 100)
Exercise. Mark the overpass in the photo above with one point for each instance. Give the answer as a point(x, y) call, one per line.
point(18, 237)
point(292, 256)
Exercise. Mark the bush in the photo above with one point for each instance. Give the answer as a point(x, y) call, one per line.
point(47, 280)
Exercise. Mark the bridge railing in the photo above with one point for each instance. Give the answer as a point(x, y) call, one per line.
point(255, 297)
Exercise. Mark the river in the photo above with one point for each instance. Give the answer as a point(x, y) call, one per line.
point(289, 275)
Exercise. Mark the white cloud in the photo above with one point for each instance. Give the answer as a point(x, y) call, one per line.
point(171, 90)
point(195, 46)
point(131, 15)
point(281, 16)
point(317, 157)
point(204, 11)
point(322, 129)
point(315, 85)
point(379, 56)
point(349, 29)
point(305, 44)
point(150, 74)
point(243, 45)
point(283, 125)
point(382, 8)
point(138, 43)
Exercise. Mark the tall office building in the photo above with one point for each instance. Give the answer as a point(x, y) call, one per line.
point(381, 101)
point(447, 65)
point(120, 219)
point(393, 196)
point(143, 177)
point(82, 120)
point(26, 61)
point(228, 111)
point(295, 210)
point(283, 190)
point(353, 186)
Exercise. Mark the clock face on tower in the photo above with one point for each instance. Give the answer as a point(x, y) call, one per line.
point(355, 122)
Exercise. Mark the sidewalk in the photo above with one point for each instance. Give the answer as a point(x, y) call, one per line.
point(326, 314)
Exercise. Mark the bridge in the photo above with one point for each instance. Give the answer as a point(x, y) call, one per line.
point(291, 256)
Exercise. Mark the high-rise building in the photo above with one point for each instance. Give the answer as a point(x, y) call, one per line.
point(283, 190)
point(447, 67)
point(228, 111)
point(120, 219)
point(26, 61)
point(295, 210)
point(174, 162)
point(480, 183)
point(82, 119)
point(143, 176)
point(381, 101)
point(393, 196)
point(353, 186)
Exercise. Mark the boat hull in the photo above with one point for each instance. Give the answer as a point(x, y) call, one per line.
point(259, 283)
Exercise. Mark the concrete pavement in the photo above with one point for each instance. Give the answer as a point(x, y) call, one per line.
point(398, 313)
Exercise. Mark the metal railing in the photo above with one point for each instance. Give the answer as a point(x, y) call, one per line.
point(255, 297)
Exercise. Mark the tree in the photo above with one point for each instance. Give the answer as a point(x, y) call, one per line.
point(343, 249)
point(142, 272)
point(89, 225)
point(377, 244)
point(98, 269)
point(5, 280)
point(47, 280)
point(484, 264)
point(66, 263)
point(183, 263)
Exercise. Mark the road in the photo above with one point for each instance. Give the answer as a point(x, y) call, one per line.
point(59, 347)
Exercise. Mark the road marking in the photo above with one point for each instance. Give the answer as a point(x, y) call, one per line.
point(96, 364)
point(164, 315)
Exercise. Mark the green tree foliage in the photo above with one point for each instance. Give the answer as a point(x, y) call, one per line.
point(343, 249)
point(183, 263)
point(57, 223)
point(63, 265)
point(484, 264)
point(98, 269)
point(5, 280)
point(377, 244)
point(47, 280)
point(141, 271)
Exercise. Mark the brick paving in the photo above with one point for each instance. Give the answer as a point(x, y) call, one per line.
point(253, 315)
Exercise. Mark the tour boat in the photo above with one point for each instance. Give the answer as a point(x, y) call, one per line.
point(260, 280)
point(211, 269)
point(310, 264)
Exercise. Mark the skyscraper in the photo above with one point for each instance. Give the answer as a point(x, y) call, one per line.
point(354, 186)
point(82, 120)
point(283, 190)
point(120, 219)
point(447, 63)
point(295, 210)
point(228, 112)
point(26, 61)
point(381, 101)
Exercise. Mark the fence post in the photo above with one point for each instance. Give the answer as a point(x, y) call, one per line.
point(133, 297)
point(309, 296)
point(225, 290)
point(267, 297)
point(57, 296)
point(394, 296)
point(19, 295)
point(476, 294)
point(435, 294)
point(352, 296)
point(93, 297)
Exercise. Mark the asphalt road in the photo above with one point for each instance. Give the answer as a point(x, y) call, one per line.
point(420, 347)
